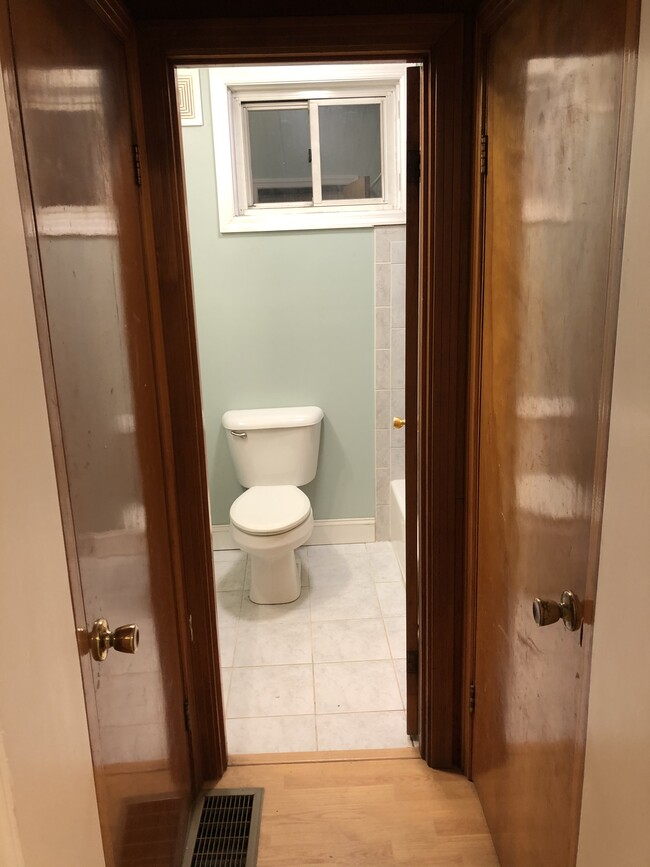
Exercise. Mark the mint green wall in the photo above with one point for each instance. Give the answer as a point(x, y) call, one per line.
point(284, 319)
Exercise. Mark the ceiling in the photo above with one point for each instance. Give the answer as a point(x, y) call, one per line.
point(188, 9)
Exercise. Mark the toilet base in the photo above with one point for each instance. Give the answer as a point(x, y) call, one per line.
point(275, 574)
point(275, 581)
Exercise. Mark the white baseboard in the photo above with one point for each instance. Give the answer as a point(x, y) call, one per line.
point(346, 531)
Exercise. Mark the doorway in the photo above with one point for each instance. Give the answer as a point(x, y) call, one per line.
point(299, 286)
point(435, 166)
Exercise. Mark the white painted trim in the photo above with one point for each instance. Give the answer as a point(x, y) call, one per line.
point(281, 220)
point(345, 531)
point(230, 85)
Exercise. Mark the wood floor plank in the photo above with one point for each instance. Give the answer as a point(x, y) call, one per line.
point(375, 812)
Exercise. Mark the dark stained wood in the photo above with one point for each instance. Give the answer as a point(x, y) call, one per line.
point(473, 403)
point(443, 364)
point(439, 43)
point(73, 135)
point(176, 311)
point(155, 10)
point(557, 86)
point(413, 225)
point(189, 516)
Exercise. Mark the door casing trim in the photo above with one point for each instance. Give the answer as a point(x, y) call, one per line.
point(439, 42)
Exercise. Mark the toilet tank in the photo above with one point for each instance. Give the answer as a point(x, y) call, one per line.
point(276, 446)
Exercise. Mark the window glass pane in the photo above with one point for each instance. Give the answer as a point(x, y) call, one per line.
point(350, 151)
point(280, 156)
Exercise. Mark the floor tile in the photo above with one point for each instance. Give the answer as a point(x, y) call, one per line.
point(396, 631)
point(392, 599)
point(271, 690)
point(227, 636)
point(291, 612)
point(400, 672)
point(379, 547)
point(230, 554)
point(229, 573)
point(263, 643)
point(349, 640)
point(350, 619)
point(318, 552)
point(339, 570)
point(229, 608)
point(226, 676)
point(341, 602)
point(385, 568)
point(362, 731)
point(279, 734)
point(348, 687)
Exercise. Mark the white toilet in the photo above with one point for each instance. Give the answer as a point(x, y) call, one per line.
point(274, 451)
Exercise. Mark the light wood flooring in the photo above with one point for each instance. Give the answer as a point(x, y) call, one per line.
point(375, 811)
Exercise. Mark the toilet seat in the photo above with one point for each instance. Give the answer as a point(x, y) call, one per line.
point(268, 510)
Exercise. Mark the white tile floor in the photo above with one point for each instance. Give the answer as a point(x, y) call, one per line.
point(326, 672)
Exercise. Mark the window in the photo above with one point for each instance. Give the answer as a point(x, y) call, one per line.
point(309, 147)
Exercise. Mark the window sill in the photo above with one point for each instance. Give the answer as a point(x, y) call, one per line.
point(276, 221)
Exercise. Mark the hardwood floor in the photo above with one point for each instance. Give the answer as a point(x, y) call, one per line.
point(366, 812)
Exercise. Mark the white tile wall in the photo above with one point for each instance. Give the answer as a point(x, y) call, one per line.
point(390, 278)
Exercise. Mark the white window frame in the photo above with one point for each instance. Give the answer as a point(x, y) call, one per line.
point(231, 88)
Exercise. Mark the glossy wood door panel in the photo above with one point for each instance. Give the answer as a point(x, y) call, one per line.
point(92, 299)
point(554, 79)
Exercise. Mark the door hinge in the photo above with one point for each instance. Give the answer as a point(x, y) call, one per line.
point(186, 714)
point(472, 697)
point(484, 154)
point(137, 167)
point(412, 662)
point(413, 167)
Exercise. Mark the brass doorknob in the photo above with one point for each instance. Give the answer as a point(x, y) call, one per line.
point(125, 639)
point(399, 422)
point(569, 609)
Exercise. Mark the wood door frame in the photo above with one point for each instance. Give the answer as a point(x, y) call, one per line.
point(491, 14)
point(439, 42)
point(414, 102)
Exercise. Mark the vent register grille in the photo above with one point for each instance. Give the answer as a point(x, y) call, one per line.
point(224, 831)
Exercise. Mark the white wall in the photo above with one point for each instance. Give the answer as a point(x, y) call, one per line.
point(48, 809)
point(615, 826)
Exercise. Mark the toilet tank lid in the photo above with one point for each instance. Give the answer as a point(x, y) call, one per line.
point(276, 417)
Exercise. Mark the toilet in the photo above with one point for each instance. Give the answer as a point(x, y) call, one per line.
point(274, 451)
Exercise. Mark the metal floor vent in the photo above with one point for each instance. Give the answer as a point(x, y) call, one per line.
point(225, 827)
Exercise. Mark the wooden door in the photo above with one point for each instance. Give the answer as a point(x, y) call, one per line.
point(554, 86)
point(92, 302)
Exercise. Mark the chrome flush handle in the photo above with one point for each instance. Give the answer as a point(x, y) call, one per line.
point(239, 433)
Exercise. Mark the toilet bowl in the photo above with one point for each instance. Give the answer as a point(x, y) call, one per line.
point(274, 451)
point(268, 523)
